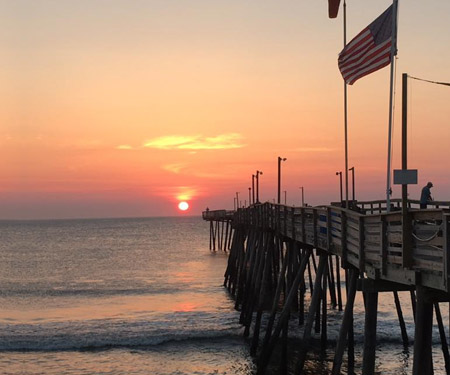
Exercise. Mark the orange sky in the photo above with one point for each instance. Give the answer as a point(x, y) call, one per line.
point(122, 108)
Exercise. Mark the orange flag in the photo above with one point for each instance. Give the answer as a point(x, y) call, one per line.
point(333, 8)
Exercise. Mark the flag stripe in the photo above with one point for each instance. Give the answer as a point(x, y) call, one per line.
point(355, 43)
point(363, 73)
point(369, 54)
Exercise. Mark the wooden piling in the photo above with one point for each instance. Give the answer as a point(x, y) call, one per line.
point(443, 337)
point(347, 321)
point(338, 283)
point(262, 292)
point(314, 305)
point(401, 321)
point(267, 350)
point(423, 334)
point(370, 333)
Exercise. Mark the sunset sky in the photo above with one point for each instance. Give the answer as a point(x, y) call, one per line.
point(124, 108)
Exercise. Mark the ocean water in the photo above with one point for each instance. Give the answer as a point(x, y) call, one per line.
point(145, 296)
point(116, 296)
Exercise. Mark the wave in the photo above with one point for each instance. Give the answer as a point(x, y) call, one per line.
point(102, 344)
point(109, 334)
point(88, 292)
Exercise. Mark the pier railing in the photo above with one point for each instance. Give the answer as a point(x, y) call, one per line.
point(373, 243)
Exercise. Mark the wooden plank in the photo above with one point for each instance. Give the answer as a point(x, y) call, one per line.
point(394, 249)
point(353, 240)
point(372, 229)
point(427, 228)
point(394, 237)
point(352, 232)
point(436, 241)
point(372, 219)
point(352, 259)
point(428, 252)
point(393, 259)
point(427, 265)
point(372, 247)
point(427, 215)
point(372, 238)
point(352, 248)
point(393, 217)
point(372, 258)
point(353, 225)
point(336, 227)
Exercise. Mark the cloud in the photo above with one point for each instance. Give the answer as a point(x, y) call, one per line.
point(124, 147)
point(196, 142)
point(175, 168)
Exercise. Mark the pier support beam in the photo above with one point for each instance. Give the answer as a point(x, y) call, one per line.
point(370, 333)
point(347, 321)
point(423, 361)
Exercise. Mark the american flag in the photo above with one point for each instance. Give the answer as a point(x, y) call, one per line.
point(369, 51)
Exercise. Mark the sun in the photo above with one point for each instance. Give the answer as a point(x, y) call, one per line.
point(183, 206)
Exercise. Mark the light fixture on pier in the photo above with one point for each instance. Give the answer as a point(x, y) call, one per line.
point(280, 159)
point(257, 185)
point(340, 184)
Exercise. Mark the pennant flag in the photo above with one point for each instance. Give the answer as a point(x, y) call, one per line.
point(369, 51)
point(333, 8)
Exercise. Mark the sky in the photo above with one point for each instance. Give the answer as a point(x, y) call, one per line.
point(116, 108)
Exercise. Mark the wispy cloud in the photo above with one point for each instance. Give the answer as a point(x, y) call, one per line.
point(124, 147)
point(196, 142)
point(175, 168)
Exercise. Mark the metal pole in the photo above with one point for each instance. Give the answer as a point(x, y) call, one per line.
point(345, 114)
point(249, 196)
point(406, 222)
point(279, 180)
point(303, 196)
point(340, 184)
point(391, 99)
point(353, 182)
point(257, 185)
point(285, 197)
point(253, 188)
point(237, 199)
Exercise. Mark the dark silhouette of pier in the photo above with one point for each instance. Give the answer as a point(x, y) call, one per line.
point(275, 251)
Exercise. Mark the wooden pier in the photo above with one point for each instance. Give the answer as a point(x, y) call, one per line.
point(277, 252)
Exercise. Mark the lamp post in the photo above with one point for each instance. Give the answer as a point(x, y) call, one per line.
point(340, 183)
point(280, 159)
point(234, 203)
point(303, 196)
point(249, 196)
point(257, 185)
point(237, 199)
point(353, 182)
point(285, 197)
point(253, 188)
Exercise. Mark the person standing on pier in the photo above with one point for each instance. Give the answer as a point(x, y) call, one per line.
point(425, 197)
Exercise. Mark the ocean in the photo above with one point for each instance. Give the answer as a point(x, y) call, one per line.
point(141, 296)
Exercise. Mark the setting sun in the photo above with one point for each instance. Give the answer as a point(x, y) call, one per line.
point(183, 206)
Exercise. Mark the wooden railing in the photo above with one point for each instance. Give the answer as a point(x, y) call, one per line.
point(370, 242)
point(217, 215)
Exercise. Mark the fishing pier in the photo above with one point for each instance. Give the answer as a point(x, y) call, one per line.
point(278, 253)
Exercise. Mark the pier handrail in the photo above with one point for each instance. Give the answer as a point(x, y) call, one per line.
point(368, 240)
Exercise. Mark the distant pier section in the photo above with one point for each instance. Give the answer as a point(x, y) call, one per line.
point(274, 250)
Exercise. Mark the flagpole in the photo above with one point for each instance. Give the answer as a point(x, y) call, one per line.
point(345, 112)
point(391, 99)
